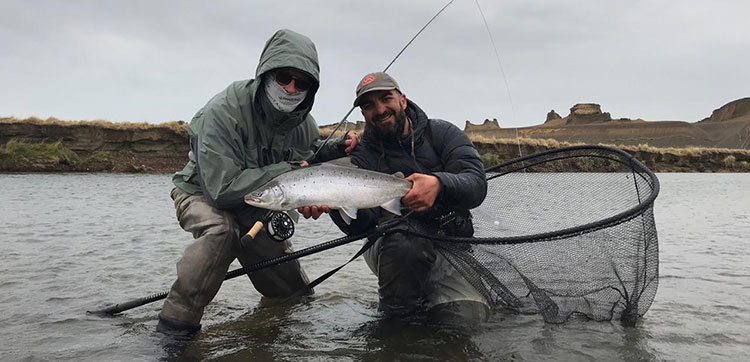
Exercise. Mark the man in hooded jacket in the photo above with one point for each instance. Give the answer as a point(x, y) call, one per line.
point(249, 133)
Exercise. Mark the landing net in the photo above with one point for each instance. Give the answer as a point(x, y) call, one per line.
point(564, 232)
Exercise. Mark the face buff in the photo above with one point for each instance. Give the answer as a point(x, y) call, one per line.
point(279, 98)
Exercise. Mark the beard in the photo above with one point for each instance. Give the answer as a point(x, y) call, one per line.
point(391, 131)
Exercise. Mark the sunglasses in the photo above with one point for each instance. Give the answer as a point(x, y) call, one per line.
point(284, 77)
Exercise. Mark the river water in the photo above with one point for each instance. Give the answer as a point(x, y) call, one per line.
point(76, 242)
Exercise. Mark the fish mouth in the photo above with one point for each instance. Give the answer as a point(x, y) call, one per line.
point(252, 200)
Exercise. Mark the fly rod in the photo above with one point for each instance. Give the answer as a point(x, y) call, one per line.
point(379, 230)
point(247, 238)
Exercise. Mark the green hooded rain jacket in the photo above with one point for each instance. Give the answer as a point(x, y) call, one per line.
point(238, 141)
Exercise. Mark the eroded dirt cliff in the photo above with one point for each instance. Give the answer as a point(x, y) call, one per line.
point(128, 147)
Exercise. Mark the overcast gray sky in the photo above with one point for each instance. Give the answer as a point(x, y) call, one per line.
point(158, 61)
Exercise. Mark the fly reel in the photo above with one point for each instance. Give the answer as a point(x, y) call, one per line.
point(279, 226)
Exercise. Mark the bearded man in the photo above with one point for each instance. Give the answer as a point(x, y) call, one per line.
point(448, 179)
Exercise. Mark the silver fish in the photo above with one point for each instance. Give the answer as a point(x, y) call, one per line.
point(344, 188)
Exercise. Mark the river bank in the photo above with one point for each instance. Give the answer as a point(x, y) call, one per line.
point(52, 145)
point(693, 159)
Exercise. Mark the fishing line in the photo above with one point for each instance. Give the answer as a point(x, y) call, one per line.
point(502, 72)
point(384, 70)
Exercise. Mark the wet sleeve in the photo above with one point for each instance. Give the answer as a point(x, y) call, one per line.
point(463, 179)
point(220, 160)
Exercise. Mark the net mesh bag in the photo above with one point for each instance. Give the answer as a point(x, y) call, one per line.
point(565, 232)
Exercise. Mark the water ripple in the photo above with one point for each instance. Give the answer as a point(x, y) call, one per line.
point(62, 256)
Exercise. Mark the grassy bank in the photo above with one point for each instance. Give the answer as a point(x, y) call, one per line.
point(18, 156)
point(692, 159)
point(44, 145)
point(48, 145)
point(36, 157)
point(52, 121)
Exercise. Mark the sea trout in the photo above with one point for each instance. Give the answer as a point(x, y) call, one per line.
point(347, 189)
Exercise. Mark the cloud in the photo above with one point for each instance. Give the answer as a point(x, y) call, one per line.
point(161, 61)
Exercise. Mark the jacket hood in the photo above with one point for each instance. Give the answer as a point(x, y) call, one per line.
point(287, 48)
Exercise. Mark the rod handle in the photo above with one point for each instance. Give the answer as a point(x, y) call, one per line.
point(250, 236)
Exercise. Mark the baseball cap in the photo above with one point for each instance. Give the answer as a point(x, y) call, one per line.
point(374, 82)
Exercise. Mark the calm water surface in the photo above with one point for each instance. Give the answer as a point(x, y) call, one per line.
point(76, 242)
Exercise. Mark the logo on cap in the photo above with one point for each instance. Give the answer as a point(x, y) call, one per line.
point(367, 80)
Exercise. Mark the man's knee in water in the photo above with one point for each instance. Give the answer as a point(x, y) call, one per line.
point(460, 313)
point(216, 242)
point(404, 265)
point(227, 228)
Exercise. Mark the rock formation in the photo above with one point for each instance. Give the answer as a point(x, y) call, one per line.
point(487, 125)
point(587, 113)
point(551, 116)
point(728, 127)
point(731, 110)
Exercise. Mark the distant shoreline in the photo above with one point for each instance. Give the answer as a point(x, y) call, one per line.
point(35, 145)
point(693, 159)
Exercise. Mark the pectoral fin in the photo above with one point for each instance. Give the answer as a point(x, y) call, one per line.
point(350, 212)
point(294, 215)
point(393, 206)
